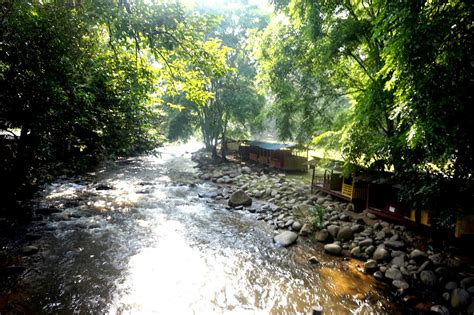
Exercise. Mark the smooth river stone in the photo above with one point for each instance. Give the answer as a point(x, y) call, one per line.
point(285, 238)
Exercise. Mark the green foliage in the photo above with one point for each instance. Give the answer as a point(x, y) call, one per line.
point(405, 67)
point(317, 213)
point(85, 80)
point(234, 106)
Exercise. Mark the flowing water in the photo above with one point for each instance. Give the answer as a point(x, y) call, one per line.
point(150, 245)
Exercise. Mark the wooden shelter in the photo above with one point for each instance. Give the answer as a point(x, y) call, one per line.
point(332, 181)
point(281, 156)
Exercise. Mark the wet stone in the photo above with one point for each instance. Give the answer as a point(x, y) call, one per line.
point(286, 238)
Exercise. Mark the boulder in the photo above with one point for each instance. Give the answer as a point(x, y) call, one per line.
point(366, 242)
point(333, 230)
point(240, 198)
point(370, 265)
point(394, 244)
point(356, 252)
point(345, 233)
point(246, 170)
point(467, 282)
point(393, 274)
point(381, 253)
point(428, 278)
point(398, 261)
point(296, 226)
point(333, 249)
point(418, 255)
point(285, 238)
point(451, 285)
point(322, 236)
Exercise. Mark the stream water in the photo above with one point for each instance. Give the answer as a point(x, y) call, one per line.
point(143, 242)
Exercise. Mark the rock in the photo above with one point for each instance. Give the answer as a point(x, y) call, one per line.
point(380, 236)
point(371, 216)
point(459, 298)
point(428, 278)
point(393, 274)
point(333, 230)
point(418, 255)
point(344, 234)
point(366, 242)
point(436, 259)
point(467, 282)
point(356, 252)
point(440, 309)
point(381, 253)
point(451, 285)
point(29, 250)
point(370, 265)
point(286, 238)
point(306, 230)
point(378, 275)
point(313, 261)
point(296, 226)
point(333, 249)
point(394, 244)
point(103, 186)
point(240, 198)
point(398, 261)
point(400, 284)
point(322, 236)
point(246, 170)
point(423, 266)
point(370, 250)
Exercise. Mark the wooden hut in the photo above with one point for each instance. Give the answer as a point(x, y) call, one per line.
point(332, 181)
point(281, 156)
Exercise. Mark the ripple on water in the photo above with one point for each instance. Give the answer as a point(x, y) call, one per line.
point(163, 250)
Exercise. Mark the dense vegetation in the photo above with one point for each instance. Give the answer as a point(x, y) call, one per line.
point(395, 80)
point(387, 83)
point(83, 80)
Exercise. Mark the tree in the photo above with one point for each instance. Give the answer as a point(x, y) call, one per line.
point(406, 71)
point(84, 80)
point(235, 104)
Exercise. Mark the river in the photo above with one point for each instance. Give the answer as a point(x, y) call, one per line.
point(136, 238)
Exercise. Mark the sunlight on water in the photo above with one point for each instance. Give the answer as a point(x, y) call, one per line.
point(147, 244)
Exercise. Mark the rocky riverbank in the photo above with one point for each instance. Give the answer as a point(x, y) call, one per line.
point(427, 276)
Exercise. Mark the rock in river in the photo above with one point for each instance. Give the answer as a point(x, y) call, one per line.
point(286, 238)
point(333, 249)
point(240, 198)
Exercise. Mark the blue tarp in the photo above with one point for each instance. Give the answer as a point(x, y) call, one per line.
point(270, 146)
